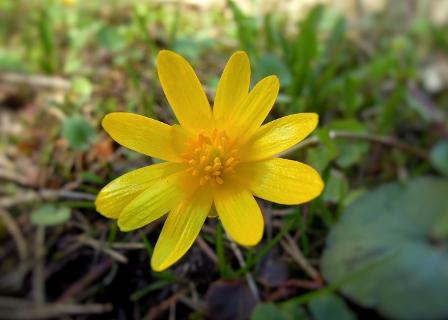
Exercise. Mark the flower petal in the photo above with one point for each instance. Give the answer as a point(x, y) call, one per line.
point(180, 137)
point(240, 214)
point(141, 134)
point(118, 193)
point(253, 110)
point(181, 229)
point(153, 203)
point(183, 90)
point(279, 135)
point(282, 181)
point(233, 86)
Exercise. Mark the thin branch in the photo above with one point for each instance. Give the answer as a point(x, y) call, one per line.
point(207, 250)
point(16, 234)
point(291, 247)
point(85, 281)
point(154, 312)
point(21, 309)
point(34, 81)
point(28, 196)
point(385, 140)
point(250, 280)
point(98, 245)
point(38, 278)
point(11, 175)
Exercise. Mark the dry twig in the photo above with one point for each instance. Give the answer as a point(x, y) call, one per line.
point(28, 196)
point(386, 140)
point(290, 246)
point(154, 312)
point(34, 81)
point(16, 234)
point(38, 270)
point(250, 280)
point(207, 250)
point(97, 245)
point(11, 308)
point(82, 283)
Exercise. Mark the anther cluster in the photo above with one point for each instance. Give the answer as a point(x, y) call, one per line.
point(211, 157)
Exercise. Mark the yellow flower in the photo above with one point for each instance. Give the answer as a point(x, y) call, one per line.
point(221, 157)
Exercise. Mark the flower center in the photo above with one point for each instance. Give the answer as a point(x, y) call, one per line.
point(211, 157)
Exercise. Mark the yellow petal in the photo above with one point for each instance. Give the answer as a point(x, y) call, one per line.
point(279, 135)
point(181, 229)
point(183, 91)
point(251, 112)
point(112, 199)
point(282, 181)
point(153, 203)
point(233, 86)
point(141, 134)
point(180, 137)
point(240, 214)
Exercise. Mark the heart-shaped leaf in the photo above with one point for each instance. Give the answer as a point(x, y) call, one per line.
point(400, 226)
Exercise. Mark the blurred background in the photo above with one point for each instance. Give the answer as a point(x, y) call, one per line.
point(373, 245)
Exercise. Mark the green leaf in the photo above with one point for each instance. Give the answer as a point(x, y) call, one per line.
point(321, 156)
point(267, 311)
point(292, 310)
point(270, 64)
point(78, 132)
point(350, 152)
point(305, 49)
point(47, 40)
point(282, 311)
point(247, 29)
point(88, 176)
point(398, 221)
point(336, 187)
point(330, 306)
point(110, 39)
point(50, 215)
point(192, 48)
point(82, 87)
point(439, 157)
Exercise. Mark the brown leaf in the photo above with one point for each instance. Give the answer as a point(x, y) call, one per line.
point(104, 149)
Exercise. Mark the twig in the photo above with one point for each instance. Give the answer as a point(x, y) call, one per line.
point(27, 196)
point(38, 270)
point(306, 284)
point(207, 250)
point(128, 246)
point(154, 312)
point(21, 309)
point(250, 280)
point(172, 313)
point(35, 81)
point(79, 285)
point(289, 288)
point(16, 234)
point(10, 175)
point(192, 304)
point(97, 245)
point(386, 140)
point(290, 246)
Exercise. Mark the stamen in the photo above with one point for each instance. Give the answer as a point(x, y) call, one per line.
point(211, 157)
point(219, 180)
point(230, 161)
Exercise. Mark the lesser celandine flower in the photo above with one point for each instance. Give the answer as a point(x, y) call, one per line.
point(220, 157)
